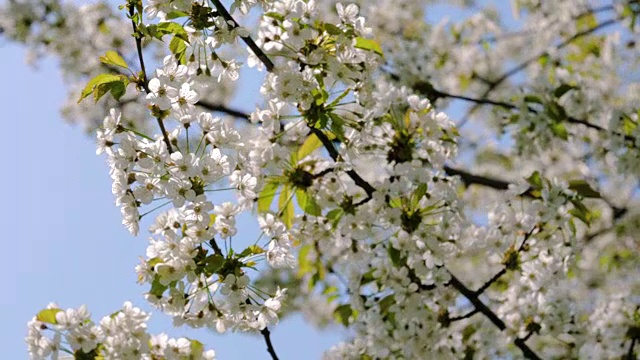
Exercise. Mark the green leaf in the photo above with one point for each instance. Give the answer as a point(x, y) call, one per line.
point(395, 203)
point(334, 216)
point(386, 303)
point(583, 188)
point(581, 212)
point(394, 255)
point(196, 348)
point(113, 58)
point(97, 81)
point(94, 354)
point(419, 193)
point(285, 207)
point(533, 99)
point(562, 89)
point(157, 289)
point(213, 263)
point(310, 145)
point(337, 126)
point(559, 130)
point(179, 49)
point(266, 196)
point(368, 44)
point(343, 313)
point(628, 124)
point(172, 28)
point(304, 265)
point(275, 15)
point(556, 112)
point(251, 250)
point(118, 89)
point(367, 278)
point(307, 204)
point(48, 316)
point(176, 14)
point(535, 180)
point(332, 29)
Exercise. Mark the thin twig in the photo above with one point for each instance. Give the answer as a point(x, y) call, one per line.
point(506, 105)
point(328, 145)
point(247, 39)
point(465, 316)
point(223, 109)
point(145, 83)
point(523, 65)
point(214, 245)
point(267, 338)
point(481, 307)
point(629, 355)
point(503, 271)
point(495, 278)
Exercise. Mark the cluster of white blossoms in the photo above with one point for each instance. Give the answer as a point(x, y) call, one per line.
point(191, 278)
point(371, 218)
point(121, 335)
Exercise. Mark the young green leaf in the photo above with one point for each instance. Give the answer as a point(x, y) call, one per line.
point(310, 145)
point(583, 188)
point(368, 44)
point(307, 204)
point(97, 81)
point(285, 206)
point(113, 58)
point(251, 250)
point(343, 313)
point(266, 196)
point(48, 316)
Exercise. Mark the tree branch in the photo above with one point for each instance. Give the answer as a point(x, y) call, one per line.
point(482, 308)
point(247, 39)
point(223, 109)
point(267, 339)
point(465, 316)
point(145, 83)
point(506, 105)
point(328, 145)
point(629, 355)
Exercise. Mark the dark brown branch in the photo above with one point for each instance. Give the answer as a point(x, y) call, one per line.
point(215, 247)
point(629, 355)
point(482, 308)
point(465, 316)
point(495, 278)
point(223, 109)
point(247, 39)
point(503, 271)
point(144, 82)
point(266, 334)
point(477, 303)
point(470, 179)
point(267, 339)
point(328, 145)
